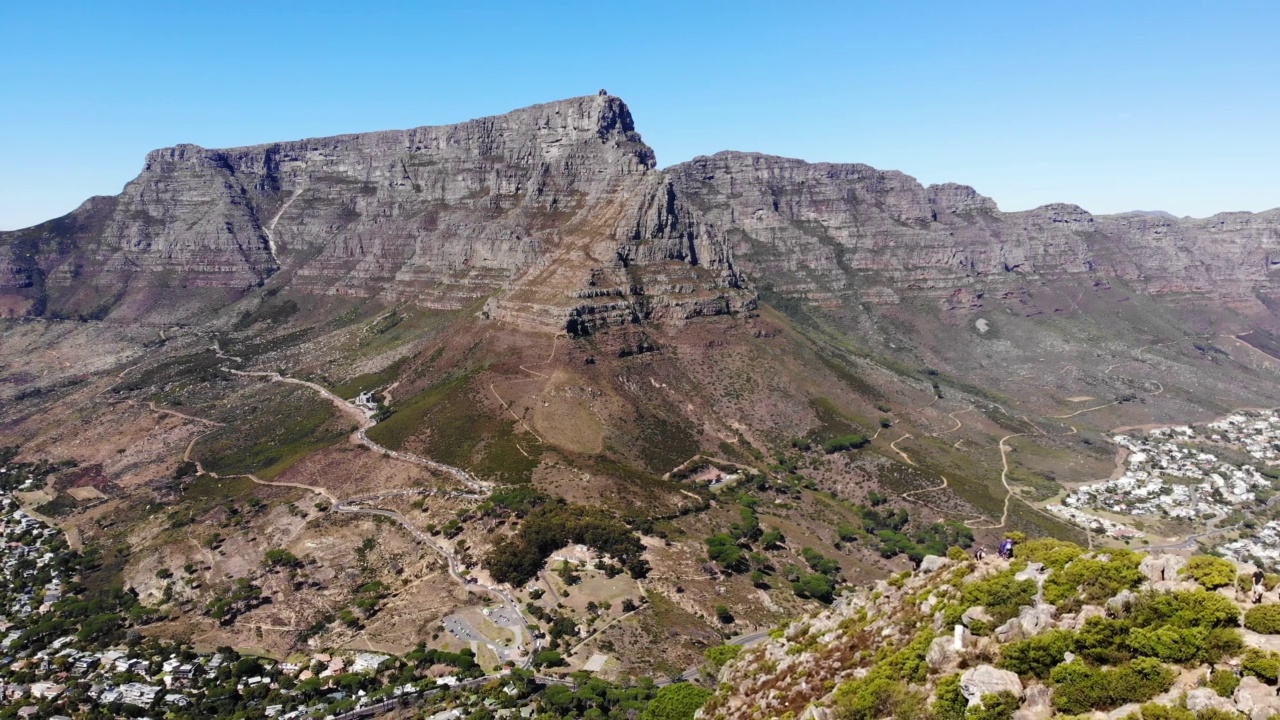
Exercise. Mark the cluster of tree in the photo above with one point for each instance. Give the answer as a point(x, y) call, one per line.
point(554, 524)
point(596, 698)
point(886, 531)
point(423, 657)
point(843, 442)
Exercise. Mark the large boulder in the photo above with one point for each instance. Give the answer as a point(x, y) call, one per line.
point(1035, 620)
point(1206, 698)
point(988, 680)
point(1256, 699)
point(1008, 632)
point(932, 563)
point(1122, 599)
point(1037, 705)
point(1076, 621)
point(941, 655)
point(977, 612)
point(1161, 567)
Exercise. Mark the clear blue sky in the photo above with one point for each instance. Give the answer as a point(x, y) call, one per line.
point(1114, 106)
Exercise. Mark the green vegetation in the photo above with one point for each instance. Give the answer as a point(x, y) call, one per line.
point(1224, 682)
point(1211, 572)
point(459, 431)
point(1263, 619)
point(719, 655)
point(1078, 688)
point(676, 702)
point(843, 442)
point(368, 381)
point(553, 525)
point(271, 436)
point(282, 558)
point(885, 530)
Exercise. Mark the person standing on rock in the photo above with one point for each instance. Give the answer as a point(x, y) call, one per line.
point(1257, 586)
point(980, 553)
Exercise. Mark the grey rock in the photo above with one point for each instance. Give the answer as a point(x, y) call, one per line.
point(1121, 600)
point(1009, 631)
point(1162, 567)
point(1037, 705)
point(977, 612)
point(1255, 699)
point(941, 655)
point(1207, 698)
point(986, 680)
point(933, 563)
point(1035, 620)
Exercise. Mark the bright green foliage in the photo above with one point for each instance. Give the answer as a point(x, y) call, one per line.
point(1078, 688)
point(815, 585)
point(1104, 641)
point(1168, 643)
point(548, 658)
point(723, 550)
point(1155, 711)
point(719, 655)
point(1195, 608)
point(281, 558)
point(1000, 594)
point(1055, 554)
point(1211, 572)
point(949, 703)
point(676, 702)
point(1262, 664)
point(1263, 619)
point(1090, 580)
point(1224, 682)
point(1037, 655)
point(995, 706)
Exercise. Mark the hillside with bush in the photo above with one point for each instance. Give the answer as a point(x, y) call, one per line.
point(1058, 631)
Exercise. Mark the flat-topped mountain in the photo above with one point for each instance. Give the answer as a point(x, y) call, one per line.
point(553, 211)
point(555, 216)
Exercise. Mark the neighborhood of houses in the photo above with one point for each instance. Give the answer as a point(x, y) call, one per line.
point(1198, 475)
point(36, 670)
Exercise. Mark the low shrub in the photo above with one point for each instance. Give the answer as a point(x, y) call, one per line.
point(1263, 619)
point(1211, 572)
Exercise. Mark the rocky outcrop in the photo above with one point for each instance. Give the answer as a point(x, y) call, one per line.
point(555, 216)
point(988, 680)
point(554, 212)
point(837, 233)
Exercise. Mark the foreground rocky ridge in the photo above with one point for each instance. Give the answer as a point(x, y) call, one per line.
point(555, 216)
point(1127, 635)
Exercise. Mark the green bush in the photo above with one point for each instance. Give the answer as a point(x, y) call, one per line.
point(1002, 595)
point(676, 702)
point(719, 655)
point(1263, 619)
point(1037, 655)
point(1078, 688)
point(1211, 572)
point(1224, 682)
point(844, 442)
point(1091, 580)
point(1262, 664)
point(995, 706)
point(949, 703)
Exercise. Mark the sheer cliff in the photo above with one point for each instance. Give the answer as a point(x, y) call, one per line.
point(555, 213)
point(556, 217)
point(833, 233)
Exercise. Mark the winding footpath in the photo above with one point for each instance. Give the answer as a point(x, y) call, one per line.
point(365, 421)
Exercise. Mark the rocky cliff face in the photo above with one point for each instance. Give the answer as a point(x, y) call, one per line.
point(554, 212)
point(832, 233)
point(554, 216)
